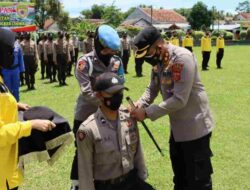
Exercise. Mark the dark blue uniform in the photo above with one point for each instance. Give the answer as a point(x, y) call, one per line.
point(11, 76)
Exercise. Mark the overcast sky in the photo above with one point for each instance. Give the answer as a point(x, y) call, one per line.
point(74, 7)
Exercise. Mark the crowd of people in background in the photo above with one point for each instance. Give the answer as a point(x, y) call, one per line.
point(58, 55)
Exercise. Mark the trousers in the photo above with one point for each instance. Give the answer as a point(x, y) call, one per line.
point(191, 164)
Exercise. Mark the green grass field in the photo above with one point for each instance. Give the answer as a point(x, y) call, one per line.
point(229, 95)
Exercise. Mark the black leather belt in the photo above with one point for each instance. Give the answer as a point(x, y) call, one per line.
point(117, 180)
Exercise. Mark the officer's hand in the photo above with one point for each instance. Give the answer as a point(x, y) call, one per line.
point(130, 108)
point(139, 114)
point(23, 106)
point(42, 125)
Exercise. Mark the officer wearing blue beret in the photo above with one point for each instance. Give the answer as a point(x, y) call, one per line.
point(102, 59)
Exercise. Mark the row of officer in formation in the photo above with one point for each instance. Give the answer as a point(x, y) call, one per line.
point(206, 46)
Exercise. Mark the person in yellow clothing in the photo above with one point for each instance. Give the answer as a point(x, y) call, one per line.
point(174, 39)
point(220, 44)
point(206, 48)
point(10, 129)
point(188, 41)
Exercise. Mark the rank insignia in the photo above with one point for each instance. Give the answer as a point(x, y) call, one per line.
point(81, 65)
point(129, 123)
point(176, 71)
point(116, 65)
point(81, 135)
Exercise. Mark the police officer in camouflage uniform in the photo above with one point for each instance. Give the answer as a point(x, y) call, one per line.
point(102, 59)
point(30, 57)
point(175, 75)
point(61, 57)
point(110, 155)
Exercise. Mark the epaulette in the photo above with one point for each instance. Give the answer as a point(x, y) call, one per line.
point(90, 119)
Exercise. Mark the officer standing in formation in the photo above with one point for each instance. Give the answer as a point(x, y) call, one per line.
point(174, 39)
point(110, 155)
point(20, 38)
point(220, 44)
point(76, 44)
point(206, 48)
point(188, 41)
point(30, 56)
point(11, 75)
point(41, 56)
point(126, 49)
point(103, 59)
point(175, 75)
point(72, 54)
point(61, 57)
point(88, 44)
point(48, 58)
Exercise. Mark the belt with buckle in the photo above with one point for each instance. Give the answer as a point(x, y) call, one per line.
point(116, 180)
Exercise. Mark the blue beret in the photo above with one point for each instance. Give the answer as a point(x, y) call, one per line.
point(109, 38)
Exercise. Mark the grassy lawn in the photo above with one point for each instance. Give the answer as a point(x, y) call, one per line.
point(229, 95)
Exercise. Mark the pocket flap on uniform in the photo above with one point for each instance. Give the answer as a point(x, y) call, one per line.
point(104, 146)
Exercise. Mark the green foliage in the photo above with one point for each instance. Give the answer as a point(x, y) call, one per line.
point(197, 35)
point(82, 28)
point(180, 33)
point(243, 35)
point(199, 16)
point(96, 12)
point(218, 32)
point(131, 30)
point(63, 21)
point(46, 9)
point(248, 34)
point(243, 7)
point(213, 38)
point(113, 16)
point(228, 36)
point(183, 11)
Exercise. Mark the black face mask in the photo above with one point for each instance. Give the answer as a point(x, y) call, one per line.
point(98, 48)
point(6, 56)
point(114, 102)
point(153, 60)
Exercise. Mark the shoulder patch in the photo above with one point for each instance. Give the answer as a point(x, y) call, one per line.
point(81, 135)
point(81, 65)
point(176, 71)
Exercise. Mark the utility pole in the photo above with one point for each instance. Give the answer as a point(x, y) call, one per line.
point(151, 14)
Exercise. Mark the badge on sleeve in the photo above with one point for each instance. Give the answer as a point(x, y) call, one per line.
point(116, 66)
point(81, 65)
point(176, 71)
point(81, 135)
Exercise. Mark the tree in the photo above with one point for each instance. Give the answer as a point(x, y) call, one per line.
point(113, 15)
point(183, 11)
point(46, 9)
point(199, 16)
point(96, 12)
point(243, 7)
point(63, 21)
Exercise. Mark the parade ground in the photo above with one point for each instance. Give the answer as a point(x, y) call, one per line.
point(229, 98)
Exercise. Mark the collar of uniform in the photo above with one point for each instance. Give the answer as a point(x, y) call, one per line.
point(170, 49)
point(103, 120)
